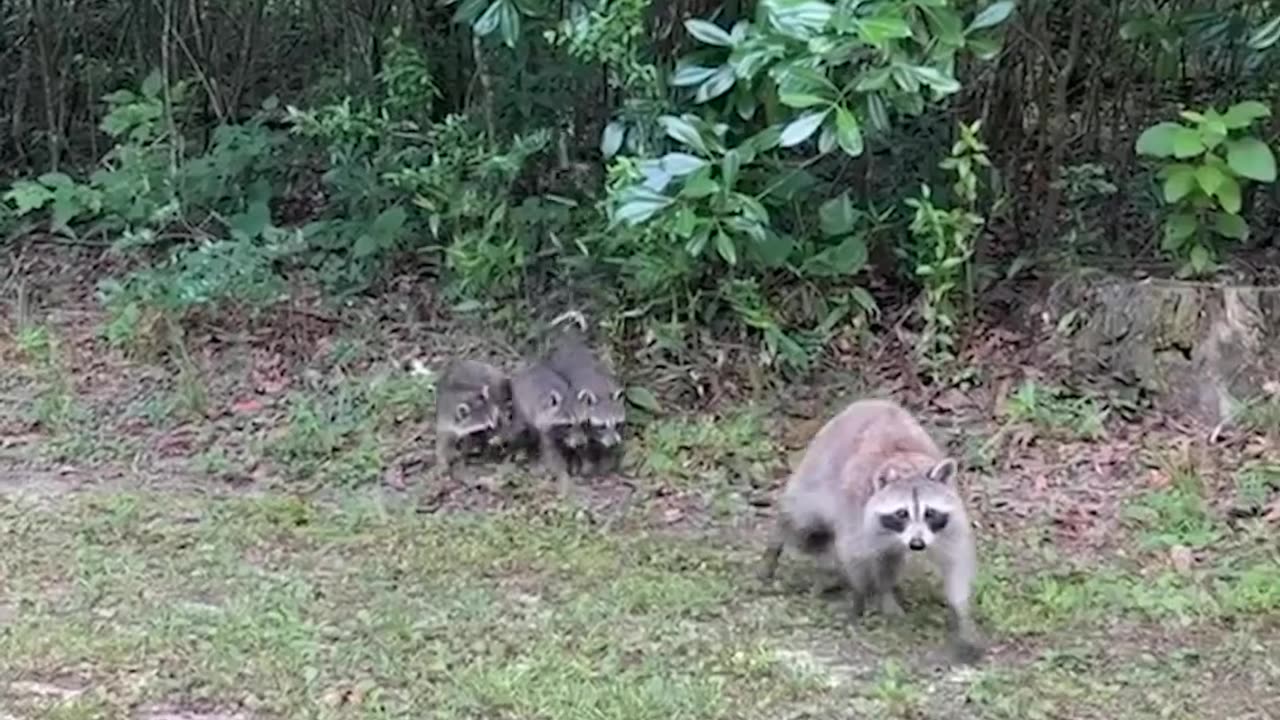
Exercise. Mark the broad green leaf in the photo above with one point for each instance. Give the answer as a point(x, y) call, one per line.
point(947, 25)
point(27, 196)
point(639, 203)
point(1200, 259)
point(643, 398)
point(1157, 140)
point(799, 130)
point(725, 248)
point(611, 139)
point(509, 23)
point(678, 164)
point(992, 15)
point(826, 139)
point(1192, 116)
point(388, 224)
point(935, 79)
point(801, 100)
point(774, 250)
point(876, 30)
point(846, 258)
point(66, 206)
point(153, 84)
point(1179, 183)
point(1242, 114)
point(848, 133)
point(56, 180)
point(1187, 143)
point(682, 132)
point(708, 33)
point(1229, 195)
point(1209, 178)
point(689, 75)
point(469, 10)
point(1230, 225)
point(798, 18)
point(488, 22)
point(716, 85)
point(1179, 227)
point(685, 222)
point(1265, 36)
point(874, 79)
point(729, 166)
point(698, 242)
point(837, 216)
point(877, 113)
point(699, 186)
point(252, 222)
point(1250, 157)
point(985, 49)
point(365, 245)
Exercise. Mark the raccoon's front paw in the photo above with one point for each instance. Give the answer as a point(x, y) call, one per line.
point(890, 607)
point(966, 651)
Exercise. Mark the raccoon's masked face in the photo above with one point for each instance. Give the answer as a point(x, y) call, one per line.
point(604, 416)
point(913, 509)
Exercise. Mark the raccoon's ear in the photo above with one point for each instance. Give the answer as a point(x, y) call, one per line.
point(462, 412)
point(943, 472)
point(586, 396)
point(617, 395)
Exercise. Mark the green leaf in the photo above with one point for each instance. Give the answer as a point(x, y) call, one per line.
point(1157, 140)
point(798, 18)
point(799, 130)
point(153, 84)
point(678, 164)
point(1229, 195)
point(1265, 36)
point(1250, 157)
point(1187, 143)
point(985, 49)
point(388, 223)
point(1210, 178)
point(876, 30)
point(729, 166)
point(846, 258)
point(935, 79)
point(946, 22)
point(1177, 228)
point(801, 100)
point(1200, 259)
point(848, 133)
point(468, 11)
point(775, 249)
point(1179, 183)
point(488, 22)
point(726, 249)
point(639, 203)
point(874, 79)
point(689, 75)
point(685, 222)
point(837, 216)
point(699, 186)
point(877, 113)
point(698, 242)
point(1242, 114)
point(682, 132)
point(252, 222)
point(509, 23)
point(611, 139)
point(27, 196)
point(716, 85)
point(643, 398)
point(992, 15)
point(1230, 225)
point(826, 139)
point(708, 33)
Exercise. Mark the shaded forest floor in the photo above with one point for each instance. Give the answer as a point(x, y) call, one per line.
point(256, 533)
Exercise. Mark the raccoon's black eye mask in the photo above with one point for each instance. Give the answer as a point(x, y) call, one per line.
point(895, 522)
point(935, 519)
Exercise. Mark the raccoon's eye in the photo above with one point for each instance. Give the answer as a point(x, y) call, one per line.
point(462, 412)
point(902, 514)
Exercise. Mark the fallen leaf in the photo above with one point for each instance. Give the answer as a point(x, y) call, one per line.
point(1181, 557)
point(244, 407)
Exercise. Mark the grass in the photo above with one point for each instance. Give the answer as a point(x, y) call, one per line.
point(300, 608)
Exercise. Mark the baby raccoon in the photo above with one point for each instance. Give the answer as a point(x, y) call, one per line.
point(597, 402)
point(543, 416)
point(871, 488)
point(473, 409)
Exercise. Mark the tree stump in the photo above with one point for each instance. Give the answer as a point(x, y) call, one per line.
point(1200, 348)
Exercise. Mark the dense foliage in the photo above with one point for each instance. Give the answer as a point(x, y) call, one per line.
point(739, 167)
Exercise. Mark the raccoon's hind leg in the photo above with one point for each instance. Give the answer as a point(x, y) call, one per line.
point(778, 536)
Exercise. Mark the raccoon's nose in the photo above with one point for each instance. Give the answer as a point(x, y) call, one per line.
point(916, 544)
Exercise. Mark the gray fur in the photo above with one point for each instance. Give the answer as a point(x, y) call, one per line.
point(865, 484)
point(473, 409)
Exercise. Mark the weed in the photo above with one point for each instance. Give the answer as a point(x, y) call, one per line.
point(1055, 412)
